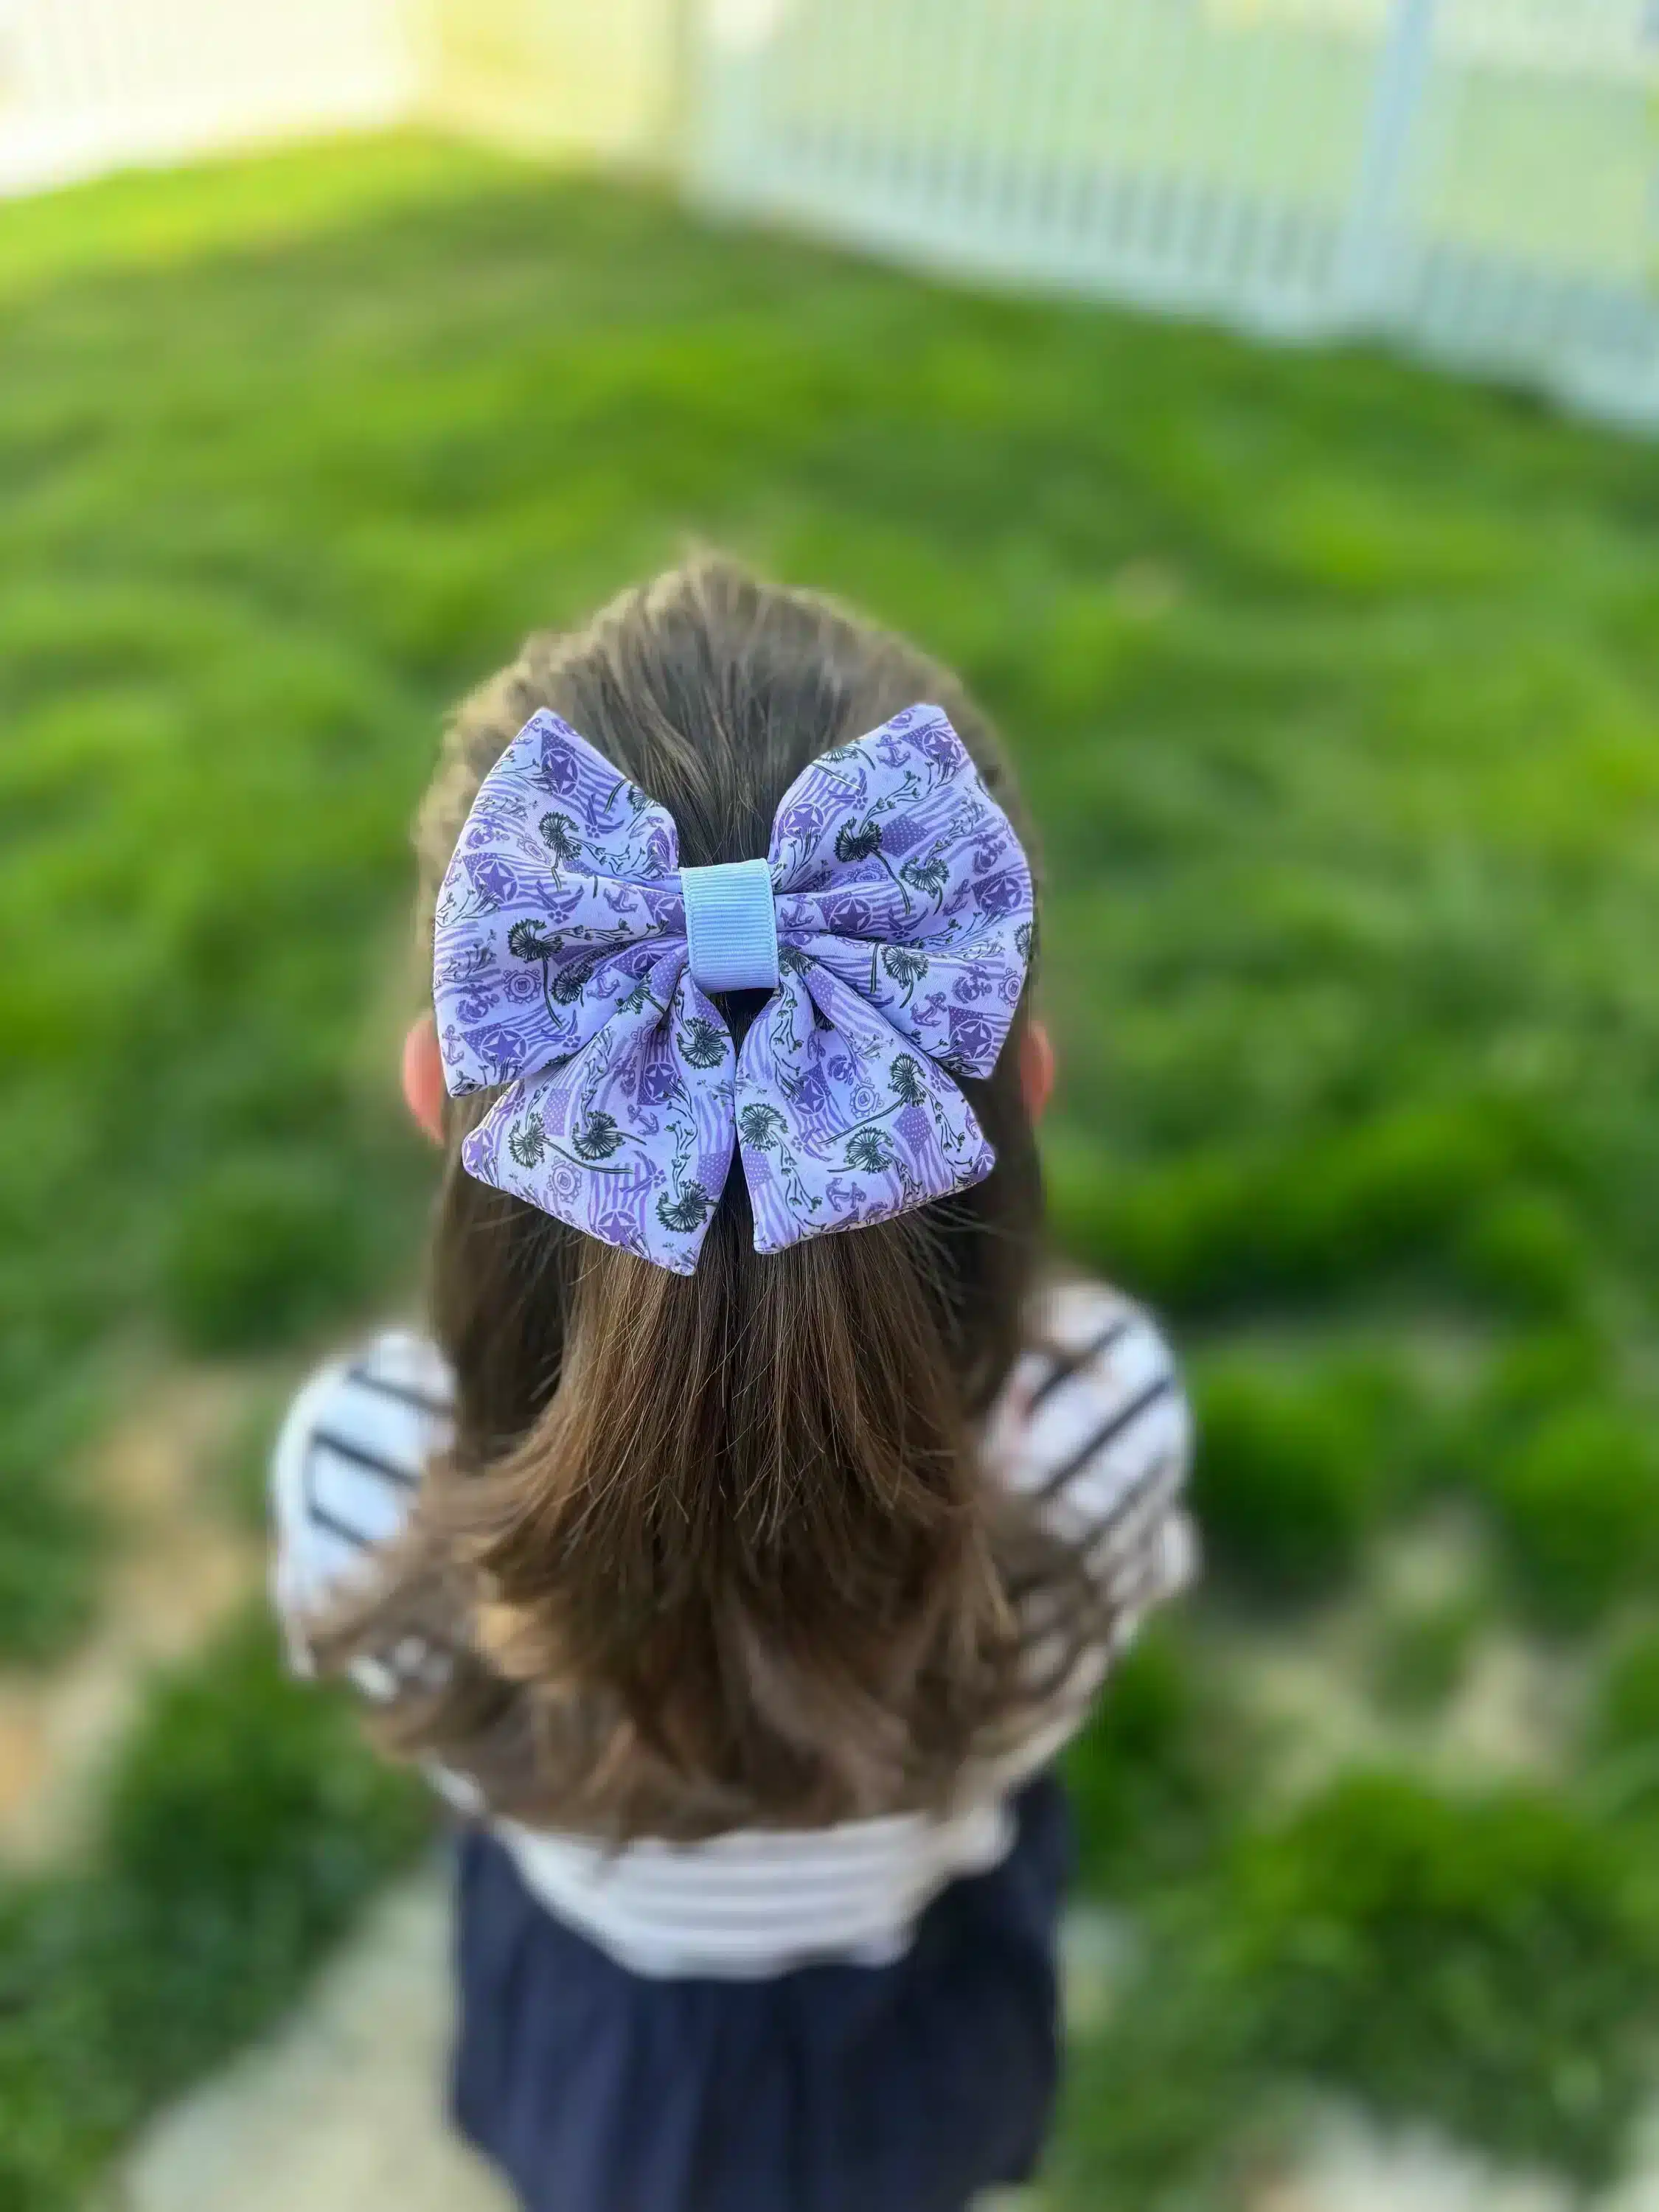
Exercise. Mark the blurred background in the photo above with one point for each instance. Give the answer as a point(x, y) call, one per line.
point(1251, 398)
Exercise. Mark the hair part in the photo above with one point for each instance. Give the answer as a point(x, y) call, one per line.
point(718, 1549)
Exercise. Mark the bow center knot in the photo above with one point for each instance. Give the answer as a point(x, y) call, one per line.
point(731, 926)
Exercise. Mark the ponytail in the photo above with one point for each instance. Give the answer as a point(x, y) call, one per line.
point(714, 1549)
point(751, 1512)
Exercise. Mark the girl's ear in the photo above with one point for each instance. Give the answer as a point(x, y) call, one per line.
point(1037, 1067)
point(423, 1078)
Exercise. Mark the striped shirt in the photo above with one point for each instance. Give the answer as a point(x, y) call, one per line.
point(1092, 1425)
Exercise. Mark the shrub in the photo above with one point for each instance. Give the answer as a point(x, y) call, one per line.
point(1536, 1373)
point(1625, 1714)
point(246, 1822)
point(1159, 2108)
point(1622, 1746)
point(1287, 1483)
point(51, 1538)
point(1147, 1777)
point(264, 1248)
point(245, 1825)
point(1523, 1253)
point(1183, 1235)
point(1479, 1964)
point(1397, 1190)
point(1219, 1230)
point(1578, 1508)
point(51, 1532)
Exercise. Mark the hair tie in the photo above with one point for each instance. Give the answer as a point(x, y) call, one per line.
point(574, 959)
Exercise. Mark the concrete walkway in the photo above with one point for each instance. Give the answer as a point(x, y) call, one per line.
point(181, 1567)
point(342, 2109)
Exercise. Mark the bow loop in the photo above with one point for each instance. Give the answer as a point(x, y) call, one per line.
point(563, 876)
point(901, 921)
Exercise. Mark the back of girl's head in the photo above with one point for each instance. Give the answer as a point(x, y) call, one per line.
point(715, 1547)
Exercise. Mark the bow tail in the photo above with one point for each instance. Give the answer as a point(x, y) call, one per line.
point(630, 1140)
point(840, 1119)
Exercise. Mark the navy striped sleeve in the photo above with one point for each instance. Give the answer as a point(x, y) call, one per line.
point(1094, 1427)
point(346, 1470)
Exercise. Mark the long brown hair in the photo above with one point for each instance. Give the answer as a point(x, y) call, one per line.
point(716, 1549)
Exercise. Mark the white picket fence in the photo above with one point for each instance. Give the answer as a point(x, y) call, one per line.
point(90, 85)
point(1478, 179)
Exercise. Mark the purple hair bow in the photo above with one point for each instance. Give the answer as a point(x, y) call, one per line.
point(891, 922)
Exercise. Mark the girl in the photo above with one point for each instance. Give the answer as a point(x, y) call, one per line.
point(739, 1580)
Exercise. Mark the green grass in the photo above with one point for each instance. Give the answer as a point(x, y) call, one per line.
point(1334, 689)
point(246, 1824)
point(1484, 1965)
point(1156, 1777)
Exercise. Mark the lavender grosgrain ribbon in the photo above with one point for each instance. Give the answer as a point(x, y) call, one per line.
point(891, 920)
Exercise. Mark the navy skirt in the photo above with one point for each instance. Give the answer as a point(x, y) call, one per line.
point(834, 2087)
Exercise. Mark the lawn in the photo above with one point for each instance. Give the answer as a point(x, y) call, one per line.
point(1335, 690)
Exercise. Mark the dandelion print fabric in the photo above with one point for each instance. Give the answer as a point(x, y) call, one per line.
point(561, 970)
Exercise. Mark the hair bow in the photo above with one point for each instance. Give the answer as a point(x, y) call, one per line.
point(574, 959)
